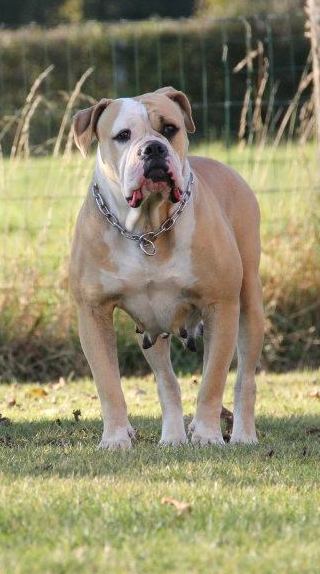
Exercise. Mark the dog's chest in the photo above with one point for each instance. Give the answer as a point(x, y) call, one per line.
point(152, 290)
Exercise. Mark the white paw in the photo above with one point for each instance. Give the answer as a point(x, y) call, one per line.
point(244, 438)
point(173, 431)
point(173, 439)
point(118, 439)
point(203, 435)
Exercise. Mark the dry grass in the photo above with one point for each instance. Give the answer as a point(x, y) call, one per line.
point(40, 199)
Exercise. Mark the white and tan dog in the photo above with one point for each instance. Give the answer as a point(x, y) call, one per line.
point(205, 268)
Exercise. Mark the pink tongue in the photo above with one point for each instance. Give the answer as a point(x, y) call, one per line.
point(136, 196)
point(177, 193)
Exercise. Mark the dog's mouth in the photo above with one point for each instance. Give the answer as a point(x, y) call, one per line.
point(157, 179)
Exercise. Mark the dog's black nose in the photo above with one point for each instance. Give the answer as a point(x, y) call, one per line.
point(153, 149)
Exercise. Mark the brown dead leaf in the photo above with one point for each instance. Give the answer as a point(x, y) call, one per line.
point(77, 414)
point(4, 421)
point(314, 394)
point(11, 402)
point(180, 506)
point(36, 393)
point(313, 430)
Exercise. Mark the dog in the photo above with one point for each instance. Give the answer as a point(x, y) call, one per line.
point(173, 240)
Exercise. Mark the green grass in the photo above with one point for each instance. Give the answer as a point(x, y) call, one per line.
point(67, 508)
point(39, 201)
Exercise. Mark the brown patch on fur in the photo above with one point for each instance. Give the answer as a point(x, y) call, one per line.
point(163, 110)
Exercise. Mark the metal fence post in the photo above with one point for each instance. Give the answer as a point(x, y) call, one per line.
point(227, 90)
point(204, 79)
point(313, 8)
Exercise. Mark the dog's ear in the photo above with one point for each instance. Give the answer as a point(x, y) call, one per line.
point(85, 123)
point(181, 99)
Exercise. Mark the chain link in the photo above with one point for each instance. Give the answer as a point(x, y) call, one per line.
point(145, 240)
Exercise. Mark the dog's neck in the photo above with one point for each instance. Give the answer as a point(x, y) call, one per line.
point(149, 215)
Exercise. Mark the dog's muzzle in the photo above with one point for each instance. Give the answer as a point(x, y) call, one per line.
point(155, 155)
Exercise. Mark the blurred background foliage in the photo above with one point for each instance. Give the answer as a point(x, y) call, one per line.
point(198, 56)
point(52, 12)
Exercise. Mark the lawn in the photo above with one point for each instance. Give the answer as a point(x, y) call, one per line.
point(66, 507)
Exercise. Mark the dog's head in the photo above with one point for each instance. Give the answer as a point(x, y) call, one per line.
point(142, 142)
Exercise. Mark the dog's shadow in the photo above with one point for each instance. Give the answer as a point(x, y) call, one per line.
point(67, 447)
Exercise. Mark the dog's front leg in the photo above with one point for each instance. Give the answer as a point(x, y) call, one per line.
point(98, 341)
point(158, 357)
point(220, 334)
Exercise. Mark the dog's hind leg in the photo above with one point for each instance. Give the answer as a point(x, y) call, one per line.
point(98, 341)
point(220, 335)
point(250, 341)
point(158, 357)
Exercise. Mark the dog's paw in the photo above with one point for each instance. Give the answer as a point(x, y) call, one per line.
point(173, 439)
point(203, 435)
point(119, 439)
point(244, 438)
point(173, 431)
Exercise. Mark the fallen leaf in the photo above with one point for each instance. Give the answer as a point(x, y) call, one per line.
point(313, 430)
point(11, 402)
point(77, 414)
point(314, 394)
point(37, 392)
point(180, 506)
point(4, 421)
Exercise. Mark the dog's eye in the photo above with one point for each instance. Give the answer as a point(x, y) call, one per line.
point(169, 130)
point(122, 136)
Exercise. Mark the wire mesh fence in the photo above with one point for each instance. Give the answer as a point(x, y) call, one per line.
point(223, 66)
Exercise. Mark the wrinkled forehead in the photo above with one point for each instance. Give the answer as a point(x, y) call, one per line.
point(149, 109)
point(159, 107)
point(121, 114)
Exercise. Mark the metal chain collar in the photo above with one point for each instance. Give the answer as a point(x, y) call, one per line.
point(145, 240)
